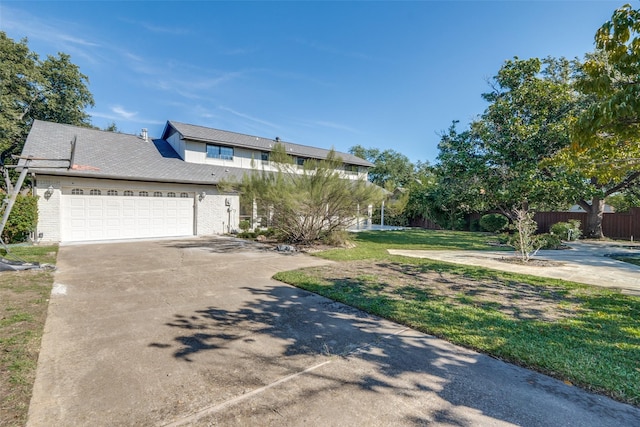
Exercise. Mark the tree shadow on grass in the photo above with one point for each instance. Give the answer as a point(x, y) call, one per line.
point(409, 377)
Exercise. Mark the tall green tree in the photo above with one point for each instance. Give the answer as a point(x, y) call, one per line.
point(612, 75)
point(495, 163)
point(63, 95)
point(605, 146)
point(531, 107)
point(391, 169)
point(53, 90)
point(19, 80)
point(460, 178)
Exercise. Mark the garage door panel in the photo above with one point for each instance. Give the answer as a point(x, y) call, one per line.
point(86, 217)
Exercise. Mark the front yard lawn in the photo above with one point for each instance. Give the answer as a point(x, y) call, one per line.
point(24, 298)
point(583, 335)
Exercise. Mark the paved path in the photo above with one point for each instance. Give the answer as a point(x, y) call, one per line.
point(194, 332)
point(584, 263)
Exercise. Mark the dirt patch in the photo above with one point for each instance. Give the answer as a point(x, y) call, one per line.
point(24, 298)
point(515, 299)
point(535, 262)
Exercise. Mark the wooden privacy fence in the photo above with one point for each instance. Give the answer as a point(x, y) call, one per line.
point(618, 225)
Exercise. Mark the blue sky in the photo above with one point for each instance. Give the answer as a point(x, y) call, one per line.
point(327, 74)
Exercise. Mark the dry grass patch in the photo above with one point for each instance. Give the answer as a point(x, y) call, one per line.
point(24, 298)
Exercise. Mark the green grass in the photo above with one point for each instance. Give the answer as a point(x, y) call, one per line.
point(374, 245)
point(596, 347)
point(24, 298)
point(630, 259)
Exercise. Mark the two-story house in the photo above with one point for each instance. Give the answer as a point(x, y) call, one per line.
point(99, 185)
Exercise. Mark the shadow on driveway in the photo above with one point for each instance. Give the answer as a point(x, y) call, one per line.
point(191, 332)
point(379, 373)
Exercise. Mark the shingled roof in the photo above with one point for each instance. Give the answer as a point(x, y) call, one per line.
point(102, 154)
point(205, 134)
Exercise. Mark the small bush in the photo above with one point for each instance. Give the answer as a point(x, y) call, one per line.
point(267, 232)
point(247, 235)
point(336, 238)
point(244, 225)
point(23, 219)
point(503, 238)
point(567, 230)
point(494, 222)
point(548, 241)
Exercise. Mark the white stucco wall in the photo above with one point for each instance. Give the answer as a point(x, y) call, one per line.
point(211, 216)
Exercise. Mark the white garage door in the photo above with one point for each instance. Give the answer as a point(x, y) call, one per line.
point(124, 217)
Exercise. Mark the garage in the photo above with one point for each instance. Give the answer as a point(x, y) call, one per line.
point(108, 217)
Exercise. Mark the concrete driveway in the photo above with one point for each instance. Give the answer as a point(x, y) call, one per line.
point(194, 332)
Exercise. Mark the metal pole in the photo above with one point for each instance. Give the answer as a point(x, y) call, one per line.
point(382, 215)
point(12, 198)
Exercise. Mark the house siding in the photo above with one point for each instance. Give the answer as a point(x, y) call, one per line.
point(177, 143)
point(243, 158)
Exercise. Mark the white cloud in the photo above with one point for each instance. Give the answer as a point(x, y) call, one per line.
point(122, 113)
point(52, 32)
point(248, 117)
point(117, 118)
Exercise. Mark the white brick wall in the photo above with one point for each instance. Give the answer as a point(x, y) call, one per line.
point(211, 214)
point(48, 210)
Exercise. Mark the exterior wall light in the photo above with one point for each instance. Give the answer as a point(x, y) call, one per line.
point(48, 193)
point(202, 195)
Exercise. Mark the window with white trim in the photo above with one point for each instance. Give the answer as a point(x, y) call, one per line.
point(77, 191)
point(112, 193)
point(184, 195)
point(128, 193)
point(143, 194)
point(95, 192)
point(157, 194)
point(171, 194)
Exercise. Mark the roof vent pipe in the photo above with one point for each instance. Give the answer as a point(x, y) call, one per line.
point(144, 134)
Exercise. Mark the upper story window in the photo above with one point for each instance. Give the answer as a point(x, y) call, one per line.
point(264, 156)
point(77, 191)
point(95, 192)
point(300, 161)
point(184, 195)
point(128, 193)
point(112, 192)
point(171, 194)
point(351, 168)
point(157, 194)
point(219, 152)
point(143, 194)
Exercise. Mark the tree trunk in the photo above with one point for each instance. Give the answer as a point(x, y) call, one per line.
point(595, 211)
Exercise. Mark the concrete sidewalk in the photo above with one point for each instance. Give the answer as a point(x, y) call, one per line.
point(585, 262)
point(194, 332)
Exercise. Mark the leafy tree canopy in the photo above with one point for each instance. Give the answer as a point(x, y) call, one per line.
point(495, 163)
point(612, 76)
point(391, 169)
point(53, 90)
point(604, 152)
